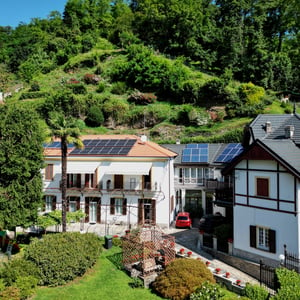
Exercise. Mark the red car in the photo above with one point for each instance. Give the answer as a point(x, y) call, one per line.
point(183, 220)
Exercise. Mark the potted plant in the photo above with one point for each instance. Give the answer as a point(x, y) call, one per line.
point(238, 282)
point(227, 274)
point(217, 270)
point(189, 254)
point(207, 263)
point(181, 251)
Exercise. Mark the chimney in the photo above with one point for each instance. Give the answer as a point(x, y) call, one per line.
point(268, 127)
point(143, 138)
point(289, 131)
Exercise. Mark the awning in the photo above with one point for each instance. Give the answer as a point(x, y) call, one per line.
point(86, 167)
point(128, 168)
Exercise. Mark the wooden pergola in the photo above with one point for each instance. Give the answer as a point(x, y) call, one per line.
point(147, 249)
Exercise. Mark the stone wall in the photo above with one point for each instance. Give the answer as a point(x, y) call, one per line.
point(245, 266)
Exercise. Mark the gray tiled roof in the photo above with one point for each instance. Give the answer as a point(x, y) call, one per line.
point(278, 124)
point(286, 151)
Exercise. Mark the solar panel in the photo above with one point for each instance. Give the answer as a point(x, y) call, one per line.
point(105, 147)
point(230, 152)
point(195, 153)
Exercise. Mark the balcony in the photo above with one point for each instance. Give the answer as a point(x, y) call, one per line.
point(214, 185)
point(224, 197)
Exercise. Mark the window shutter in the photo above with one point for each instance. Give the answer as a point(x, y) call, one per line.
point(153, 212)
point(87, 206)
point(252, 236)
point(49, 172)
point(54, 203)
point(99, 210)
point(272, 240)
point(124, 208)
point(112, 206)
point(78, 204)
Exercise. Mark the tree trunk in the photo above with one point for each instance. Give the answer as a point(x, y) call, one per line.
point(64, 152)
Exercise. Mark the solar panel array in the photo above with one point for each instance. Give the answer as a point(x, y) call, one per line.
point(230, 152)
point(56, 145)
point(105, 147)
point(195, 153)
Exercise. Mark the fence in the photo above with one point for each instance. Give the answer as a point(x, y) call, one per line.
point(268, 278)
point(291, 261)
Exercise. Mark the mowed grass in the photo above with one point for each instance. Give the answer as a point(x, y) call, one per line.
point(104, 281)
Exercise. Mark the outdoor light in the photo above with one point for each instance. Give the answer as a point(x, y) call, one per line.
point(281, 258)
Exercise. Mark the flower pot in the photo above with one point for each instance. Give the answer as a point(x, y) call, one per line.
point(227, 274)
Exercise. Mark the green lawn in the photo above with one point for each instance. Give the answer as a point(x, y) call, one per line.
point(105, 281)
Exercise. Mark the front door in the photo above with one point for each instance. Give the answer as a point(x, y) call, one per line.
point(93, 212)
point(147, 211)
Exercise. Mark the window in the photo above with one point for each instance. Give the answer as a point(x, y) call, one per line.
point(263, 238)
point(50, 203)
point(262, 187)
point(89, 180)
point(133, 183)
point(73, 180)
point(49, 172)
point(118, 206)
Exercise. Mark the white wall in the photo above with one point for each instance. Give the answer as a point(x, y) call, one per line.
point(285, 225)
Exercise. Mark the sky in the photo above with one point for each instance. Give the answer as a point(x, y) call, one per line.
point(13, 12)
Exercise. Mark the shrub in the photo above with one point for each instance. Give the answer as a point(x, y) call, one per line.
point(74, 254)
point(118, 88)
point(91, 79)
point(77, 88)
point(206, 291)
point(255, 292)
point(116, 241)
point(181, 278)
point(33, 95)
point(101, 87)
point(10, 293)
point(94, 116)
point(141, 98)
point(18, 268)
point(289, 282)
point(26, 286)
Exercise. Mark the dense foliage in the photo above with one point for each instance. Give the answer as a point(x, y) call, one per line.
point(181, 278)
point(289, 282)
point(207, 291)
point(258, 41)
point(21, 160)
point(62, 257)
point(256, 292)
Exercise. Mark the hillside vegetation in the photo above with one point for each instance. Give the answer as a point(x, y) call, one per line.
point(98, 63)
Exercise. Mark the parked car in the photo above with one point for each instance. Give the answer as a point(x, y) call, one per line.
point(183, 220)
point(209, 222)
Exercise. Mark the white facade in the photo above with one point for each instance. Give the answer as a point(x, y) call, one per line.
point(113, 190)
point(272, 210)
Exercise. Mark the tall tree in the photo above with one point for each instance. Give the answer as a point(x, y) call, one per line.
point(65, 128)
point(21, 161)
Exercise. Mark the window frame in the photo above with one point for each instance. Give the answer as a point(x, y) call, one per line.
point(261, 190)
point(255, 238)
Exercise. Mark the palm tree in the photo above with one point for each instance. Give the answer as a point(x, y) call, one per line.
point(64, 128)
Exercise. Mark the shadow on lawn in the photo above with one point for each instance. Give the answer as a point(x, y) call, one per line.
point(117, 260)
